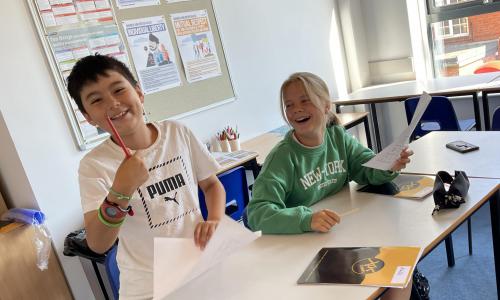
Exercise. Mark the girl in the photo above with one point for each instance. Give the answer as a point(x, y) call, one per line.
point(316, 159)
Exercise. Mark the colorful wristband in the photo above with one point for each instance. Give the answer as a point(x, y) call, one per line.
point(119, 196)
point(109, 224)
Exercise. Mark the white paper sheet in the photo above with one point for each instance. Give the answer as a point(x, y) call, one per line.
point(178, 261)
point(387, 157)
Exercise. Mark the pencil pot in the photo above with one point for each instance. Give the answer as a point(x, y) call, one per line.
point(215, 145)
point(235, 145)
point(224, 146)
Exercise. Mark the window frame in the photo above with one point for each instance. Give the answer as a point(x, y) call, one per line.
point(459, 10)
point(455, 11)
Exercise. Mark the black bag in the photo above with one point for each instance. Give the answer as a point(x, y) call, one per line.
point(75, 244)
point(449, 192)
point(420, 289)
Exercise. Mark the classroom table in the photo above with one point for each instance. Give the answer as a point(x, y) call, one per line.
point(269, 267)
point(231, 160)
point(400, 91)
point(263, 144)
point(431, 155)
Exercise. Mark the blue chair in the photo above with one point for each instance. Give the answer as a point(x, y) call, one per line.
point(439, 115)
point(235, 184)
point(495, 121)
point(113, 271)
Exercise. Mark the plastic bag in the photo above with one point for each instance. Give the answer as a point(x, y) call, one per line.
point(42, 238)
point(75, 244)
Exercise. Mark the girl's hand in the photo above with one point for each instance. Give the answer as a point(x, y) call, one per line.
point(324, 220)
point(203, 232)
point(404, 159)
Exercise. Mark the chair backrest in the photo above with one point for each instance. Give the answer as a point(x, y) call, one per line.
point(235, 184)
point(113, 271)
point(495, 121)
point(439, 115)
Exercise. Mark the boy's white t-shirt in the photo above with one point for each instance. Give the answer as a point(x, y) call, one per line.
point(165, 206)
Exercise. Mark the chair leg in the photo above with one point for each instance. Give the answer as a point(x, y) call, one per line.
point(469, 233)
point(449, 251)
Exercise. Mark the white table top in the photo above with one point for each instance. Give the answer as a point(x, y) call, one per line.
point(230, 160)
point(431, 154)
point(401, 90)
point(269, 267)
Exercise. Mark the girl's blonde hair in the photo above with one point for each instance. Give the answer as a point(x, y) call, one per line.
point(317, 91)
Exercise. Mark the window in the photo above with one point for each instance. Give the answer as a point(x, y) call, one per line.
point(451, 28)
point(464, 36)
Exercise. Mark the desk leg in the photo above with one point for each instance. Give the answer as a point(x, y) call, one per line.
point(254, 166)
point(495, 231)
point(450, 254)
point(486, 111)
point(367, 132)
point(476, 112)
point(378, 143)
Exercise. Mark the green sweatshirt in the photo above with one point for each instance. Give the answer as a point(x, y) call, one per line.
point(294, 177)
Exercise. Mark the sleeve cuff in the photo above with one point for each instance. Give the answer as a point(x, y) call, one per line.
point(305, 223)
point(392, 174)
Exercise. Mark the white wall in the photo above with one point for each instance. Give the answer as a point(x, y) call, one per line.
point(387, 37)
point(355, 43)
point(387, 29)
point(264, 40)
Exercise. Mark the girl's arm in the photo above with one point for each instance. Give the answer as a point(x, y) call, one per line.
point(267, 210)
point(357, 155)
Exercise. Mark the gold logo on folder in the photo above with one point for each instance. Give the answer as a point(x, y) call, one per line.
point(367, 265)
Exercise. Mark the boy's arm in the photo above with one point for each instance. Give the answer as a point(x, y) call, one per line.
point(215, 199)
point(99, 237)
point(131, 174)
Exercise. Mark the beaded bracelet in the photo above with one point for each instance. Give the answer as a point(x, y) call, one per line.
point(109, 224)
point(119, 196)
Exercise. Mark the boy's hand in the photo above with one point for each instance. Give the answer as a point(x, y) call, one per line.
point(324, 220)
point(404, 159)
point(131, 174)
point(203, 232)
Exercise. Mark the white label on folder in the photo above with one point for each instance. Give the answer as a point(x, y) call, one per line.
point(401, 274)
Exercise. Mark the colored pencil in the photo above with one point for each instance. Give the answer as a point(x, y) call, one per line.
point(118, 137)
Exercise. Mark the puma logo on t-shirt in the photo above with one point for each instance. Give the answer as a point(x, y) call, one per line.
point(166, 185)
point(171, 199)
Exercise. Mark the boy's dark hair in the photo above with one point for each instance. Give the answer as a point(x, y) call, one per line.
point(88, 68)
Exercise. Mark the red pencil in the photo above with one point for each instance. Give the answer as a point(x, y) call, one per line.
point(118, 137)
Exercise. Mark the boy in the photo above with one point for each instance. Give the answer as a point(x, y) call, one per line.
point(151, 194)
